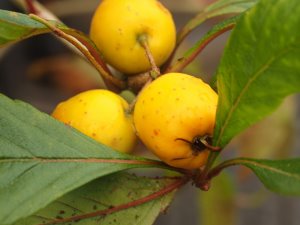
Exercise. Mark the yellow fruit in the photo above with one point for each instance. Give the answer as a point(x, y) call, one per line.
point(172, 115)
point(101, 115)
point(118, 24)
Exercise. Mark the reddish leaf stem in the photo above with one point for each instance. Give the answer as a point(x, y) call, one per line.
point(183, 62)
point(30, 7)
point(173, 186)
point(35, 8)
point(108, 78)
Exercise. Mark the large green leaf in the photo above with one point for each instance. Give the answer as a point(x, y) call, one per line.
point(218, 8)
point(259, 68)
point(103, 194)
point(281, 176)
point(41, 159)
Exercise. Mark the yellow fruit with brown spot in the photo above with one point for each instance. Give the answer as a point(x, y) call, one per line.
point(173, 116)
point(100, 114)
point(117, 26)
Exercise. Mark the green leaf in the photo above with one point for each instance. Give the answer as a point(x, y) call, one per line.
point(17, 26)
point(281, 176)
point(192, 53)
point(41, 159)
point(218, 8)
point(103, 194)
point(259, 68)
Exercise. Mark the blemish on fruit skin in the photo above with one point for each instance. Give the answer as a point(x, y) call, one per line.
point(120, 30)
point(94, 134)
point(156, 132)
point(118, 46)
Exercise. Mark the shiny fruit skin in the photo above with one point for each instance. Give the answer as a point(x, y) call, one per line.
point(173, 108)
point(101, 115)
point(117, 25)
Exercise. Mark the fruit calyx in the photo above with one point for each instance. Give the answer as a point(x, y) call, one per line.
point(200, 144)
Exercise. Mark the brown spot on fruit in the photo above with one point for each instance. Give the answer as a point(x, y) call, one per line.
point(156, 132)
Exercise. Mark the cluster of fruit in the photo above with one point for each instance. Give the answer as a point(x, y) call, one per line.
point(174, 115)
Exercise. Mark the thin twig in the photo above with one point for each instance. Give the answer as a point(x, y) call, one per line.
point(168, 189)
point(108, 79)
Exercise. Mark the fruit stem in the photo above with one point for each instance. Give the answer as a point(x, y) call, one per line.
point(166, 190)
point(143, 40)
point(108, 79)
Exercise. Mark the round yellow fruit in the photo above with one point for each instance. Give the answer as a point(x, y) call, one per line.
point(173, 116)
point(117, 26)
point(100, 114)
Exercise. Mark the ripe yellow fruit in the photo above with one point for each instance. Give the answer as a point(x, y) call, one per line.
point(118, 24)
point(173, 115)
point(100, 114)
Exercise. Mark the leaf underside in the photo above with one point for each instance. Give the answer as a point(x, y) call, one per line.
point(103, 194)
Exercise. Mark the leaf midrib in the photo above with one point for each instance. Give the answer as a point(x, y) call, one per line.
point(79, 160)
point(273, 169)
